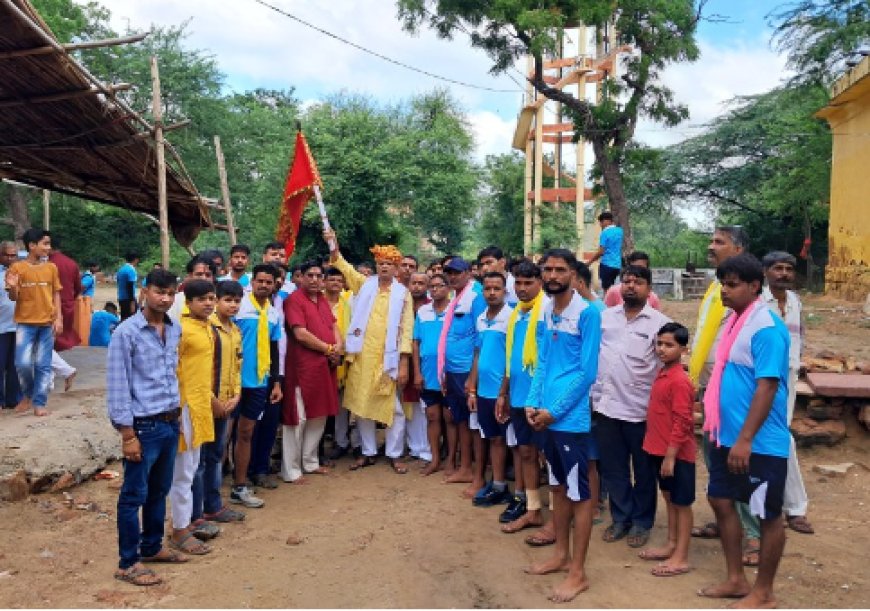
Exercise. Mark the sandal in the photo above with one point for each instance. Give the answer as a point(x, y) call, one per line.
point(614, 532)
point(205, 530)
point(710, 530)
point(139, 576)
point(638, 537)
point(189, 545)
point(164, 556)
point(540, 539)
point(800, 524)
point(362, 463)
point(751, 555)
point(398, 467)
point(224, 515)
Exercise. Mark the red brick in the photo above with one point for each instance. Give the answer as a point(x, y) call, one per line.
point(837, 385)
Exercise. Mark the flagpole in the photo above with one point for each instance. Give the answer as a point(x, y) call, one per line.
point(323, 216)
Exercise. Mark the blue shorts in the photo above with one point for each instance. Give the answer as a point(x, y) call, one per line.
point(568, 462)
point(682, 485)
point(525, 434)
point(489, 426)
point(252, 403)
point(762, 488)
point(593, 452)
point(454, 397)
point(431, 397)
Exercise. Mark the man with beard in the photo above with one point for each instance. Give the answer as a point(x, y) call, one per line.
point(558, 406)
point(745, 415)
point(627, 368)
point(418, 444)
point(779, 271)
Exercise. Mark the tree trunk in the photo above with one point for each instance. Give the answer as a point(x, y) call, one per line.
point(19, 215)
point(612, 175)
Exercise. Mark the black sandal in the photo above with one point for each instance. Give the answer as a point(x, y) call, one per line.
point(362, 463)
point(614, 532)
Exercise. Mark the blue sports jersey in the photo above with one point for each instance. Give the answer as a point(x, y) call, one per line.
point(89, 285)
point(598, 304)
point(567, 365)
point(760, 351)
point(102, 325)
point(521, 378)
point(491, 339)
point(611, 242)
point(248, 321)
point(462, 335)
point(125, 278)
point(427, 331)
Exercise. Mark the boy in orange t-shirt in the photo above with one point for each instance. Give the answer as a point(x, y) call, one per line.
point(34, 285)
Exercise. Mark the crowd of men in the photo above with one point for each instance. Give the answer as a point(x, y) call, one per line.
point(517, 366)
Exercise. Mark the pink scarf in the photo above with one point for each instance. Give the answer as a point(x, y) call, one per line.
point(445, 329)
point(733, 326)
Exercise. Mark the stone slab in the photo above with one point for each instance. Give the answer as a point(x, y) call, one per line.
point(76, 438)
point(803, 389)
point(839, 385)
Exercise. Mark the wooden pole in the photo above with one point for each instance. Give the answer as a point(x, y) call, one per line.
point(225, 189)
point(539, 175)
point(46, 214)
point(580, 152)
point(157, 111)
point(527, 203)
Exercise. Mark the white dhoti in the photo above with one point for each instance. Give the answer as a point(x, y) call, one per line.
point(186, 463)
point(300, 444)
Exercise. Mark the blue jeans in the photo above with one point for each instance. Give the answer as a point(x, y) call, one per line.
point(620, 444)
point(33, 346)
point(146, 484)
point(263, 439)
point(209, 477)
point(11, 393)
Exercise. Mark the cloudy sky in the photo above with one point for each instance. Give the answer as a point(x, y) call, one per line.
point(258, 47)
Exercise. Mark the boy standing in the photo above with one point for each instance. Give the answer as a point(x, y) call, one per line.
point(487, 373)
point(34, 285)
point(670, 443)
point(207, 502)
point(195, 378)
point(126, 280)
point(142, 398)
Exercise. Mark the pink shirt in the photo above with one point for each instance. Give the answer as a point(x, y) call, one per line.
point(613, 297)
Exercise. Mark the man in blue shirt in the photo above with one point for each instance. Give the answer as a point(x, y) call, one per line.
point(260, 325)
point(609, 250)
point(143, 403)
point(103, 323)
point(460, 328)
point(750, 462)
point(126, 281)
point(11, 393)
point(558, 404)
point(485, 381)
point(427, 331)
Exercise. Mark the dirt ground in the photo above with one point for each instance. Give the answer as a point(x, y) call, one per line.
point(375, 539)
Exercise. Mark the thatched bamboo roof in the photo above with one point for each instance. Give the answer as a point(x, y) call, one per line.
point(62, 129)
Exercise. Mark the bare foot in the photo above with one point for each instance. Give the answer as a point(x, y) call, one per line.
point(459, 477)
point(726, 589)
point(527, 520)
point(555, 564)
point(431, 468)
point(299, 481)
point(469, 492)
point(656, 553)
point(23, 407)
point(68, 382)
point(670, 569)
point(567, 590)
point(754, 600)
point(40, 411)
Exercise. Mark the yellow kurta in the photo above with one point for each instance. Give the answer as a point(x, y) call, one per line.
point(231, 359)
point(368, 391)
point(342, 313)
point(195, 378)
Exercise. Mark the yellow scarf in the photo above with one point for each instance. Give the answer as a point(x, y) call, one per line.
point(530, 342)
point(712, 312)
point(263, 356)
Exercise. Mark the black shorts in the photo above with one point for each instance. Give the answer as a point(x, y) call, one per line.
point(607, 275)
point(431, 397)
point(489, 426)
point(252, 403)
point(568, 462)
point(762, 488)
point(128, 307)
point(523, 431)
point(454, 397)
point(682, 485)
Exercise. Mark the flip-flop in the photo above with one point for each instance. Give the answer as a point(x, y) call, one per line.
point(536, 540)
point(225, 515)
point(800, 524)
point(365, 461)
point(663, 570)
point(398, 467)
point(704, 593)
point(189, 544)
point(647, 554)
point(205, 530)
point(508, 530)
point(710, 530)
point(134, 576)
point(751, 555)
point(321, 470)
point(170, 558)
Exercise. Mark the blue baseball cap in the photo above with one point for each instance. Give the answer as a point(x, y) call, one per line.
point(457, 264)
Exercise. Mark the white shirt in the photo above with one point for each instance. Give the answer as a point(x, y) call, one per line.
point(792, 320)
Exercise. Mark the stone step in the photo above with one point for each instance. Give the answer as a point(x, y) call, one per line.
point(840, 385)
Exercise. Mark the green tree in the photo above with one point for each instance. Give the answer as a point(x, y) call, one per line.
point(501, 204)
point(659, 33)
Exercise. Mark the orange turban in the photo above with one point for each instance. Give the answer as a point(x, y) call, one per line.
point(389, 253)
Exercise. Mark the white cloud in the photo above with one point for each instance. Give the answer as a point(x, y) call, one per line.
point(492, 133)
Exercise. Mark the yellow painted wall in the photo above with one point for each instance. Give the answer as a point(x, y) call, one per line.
point(848, 271)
